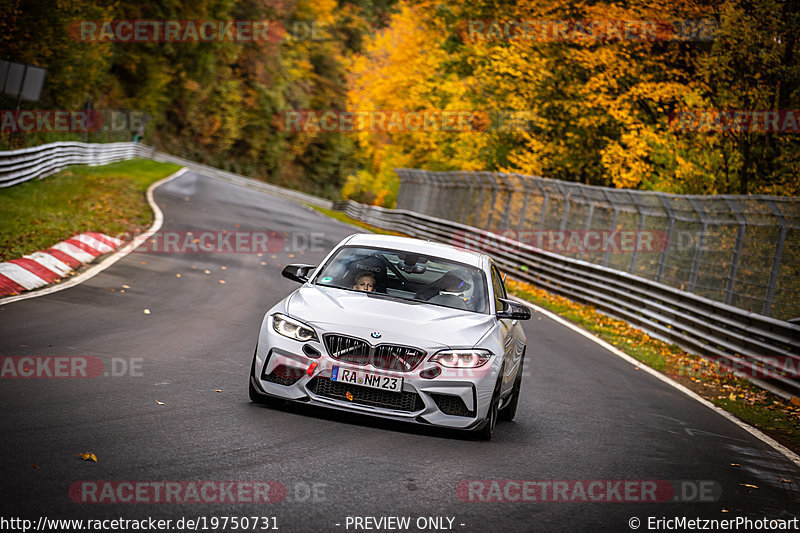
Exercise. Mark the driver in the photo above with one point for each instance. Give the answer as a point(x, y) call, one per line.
point(365, 281)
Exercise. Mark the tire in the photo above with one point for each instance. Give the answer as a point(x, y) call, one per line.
point(487, 431)
point(510, 411)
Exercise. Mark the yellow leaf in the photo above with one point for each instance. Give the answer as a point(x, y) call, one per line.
point(87, 456)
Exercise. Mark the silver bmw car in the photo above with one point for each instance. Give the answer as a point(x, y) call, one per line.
point(397, 328)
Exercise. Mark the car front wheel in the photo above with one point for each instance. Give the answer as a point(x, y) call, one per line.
point(487, 431)
point(510, 410)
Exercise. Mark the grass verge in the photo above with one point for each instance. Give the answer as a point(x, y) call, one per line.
point(777, 417)
point(110, 199)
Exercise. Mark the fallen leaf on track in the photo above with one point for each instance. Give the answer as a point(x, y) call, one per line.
point(87, 456)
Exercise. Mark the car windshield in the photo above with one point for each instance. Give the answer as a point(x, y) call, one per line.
point(406, 276)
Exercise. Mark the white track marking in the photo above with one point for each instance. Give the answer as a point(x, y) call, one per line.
point(789, 454)
point(50, 263)
point(111, 259)
point(21, 276)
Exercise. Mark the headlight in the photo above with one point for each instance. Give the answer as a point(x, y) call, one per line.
point(461, 358)
point(294, 329)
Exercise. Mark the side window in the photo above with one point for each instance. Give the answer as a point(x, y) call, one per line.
point(498, 289)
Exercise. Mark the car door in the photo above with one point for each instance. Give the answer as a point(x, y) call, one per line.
point(510, 333)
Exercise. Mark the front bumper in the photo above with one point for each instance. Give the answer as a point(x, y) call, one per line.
point(456, 398)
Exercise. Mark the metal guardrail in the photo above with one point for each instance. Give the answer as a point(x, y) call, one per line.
point(747, 342)
point(764, 349)
point(18, 166)
point(242, 181)
point(739, 250)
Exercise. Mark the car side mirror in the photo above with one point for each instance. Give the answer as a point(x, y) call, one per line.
point(513, 310)
point(299, 273)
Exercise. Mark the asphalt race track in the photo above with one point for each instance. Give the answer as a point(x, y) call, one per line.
point(154, 414)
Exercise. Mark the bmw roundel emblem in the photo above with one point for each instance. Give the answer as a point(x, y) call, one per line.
point(375, 335)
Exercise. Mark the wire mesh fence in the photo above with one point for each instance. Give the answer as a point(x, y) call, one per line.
point(740, 250)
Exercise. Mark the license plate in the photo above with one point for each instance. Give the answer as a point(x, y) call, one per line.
point(367, 379)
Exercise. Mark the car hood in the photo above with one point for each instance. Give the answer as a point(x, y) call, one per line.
point(415, 324)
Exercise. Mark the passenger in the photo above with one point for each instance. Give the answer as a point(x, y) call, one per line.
point(365, 281)
point(450, 283)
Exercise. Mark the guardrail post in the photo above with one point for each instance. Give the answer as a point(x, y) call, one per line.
point(524, 211)
point(776, 258)
point(494, 199)
point(466, 206)
point(698, 251)
point(439, 189)
point(613, 228)
point(587, 225)
point(565, 215)
point(662, 261)
point(504, 225)
point(427, 192)
point(640, 227)
point(741, 223)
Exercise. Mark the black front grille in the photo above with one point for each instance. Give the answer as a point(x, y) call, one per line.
point(347, 349)
point(398, 358)
point(451, 405)
point(401, 401)
point(384, 356)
